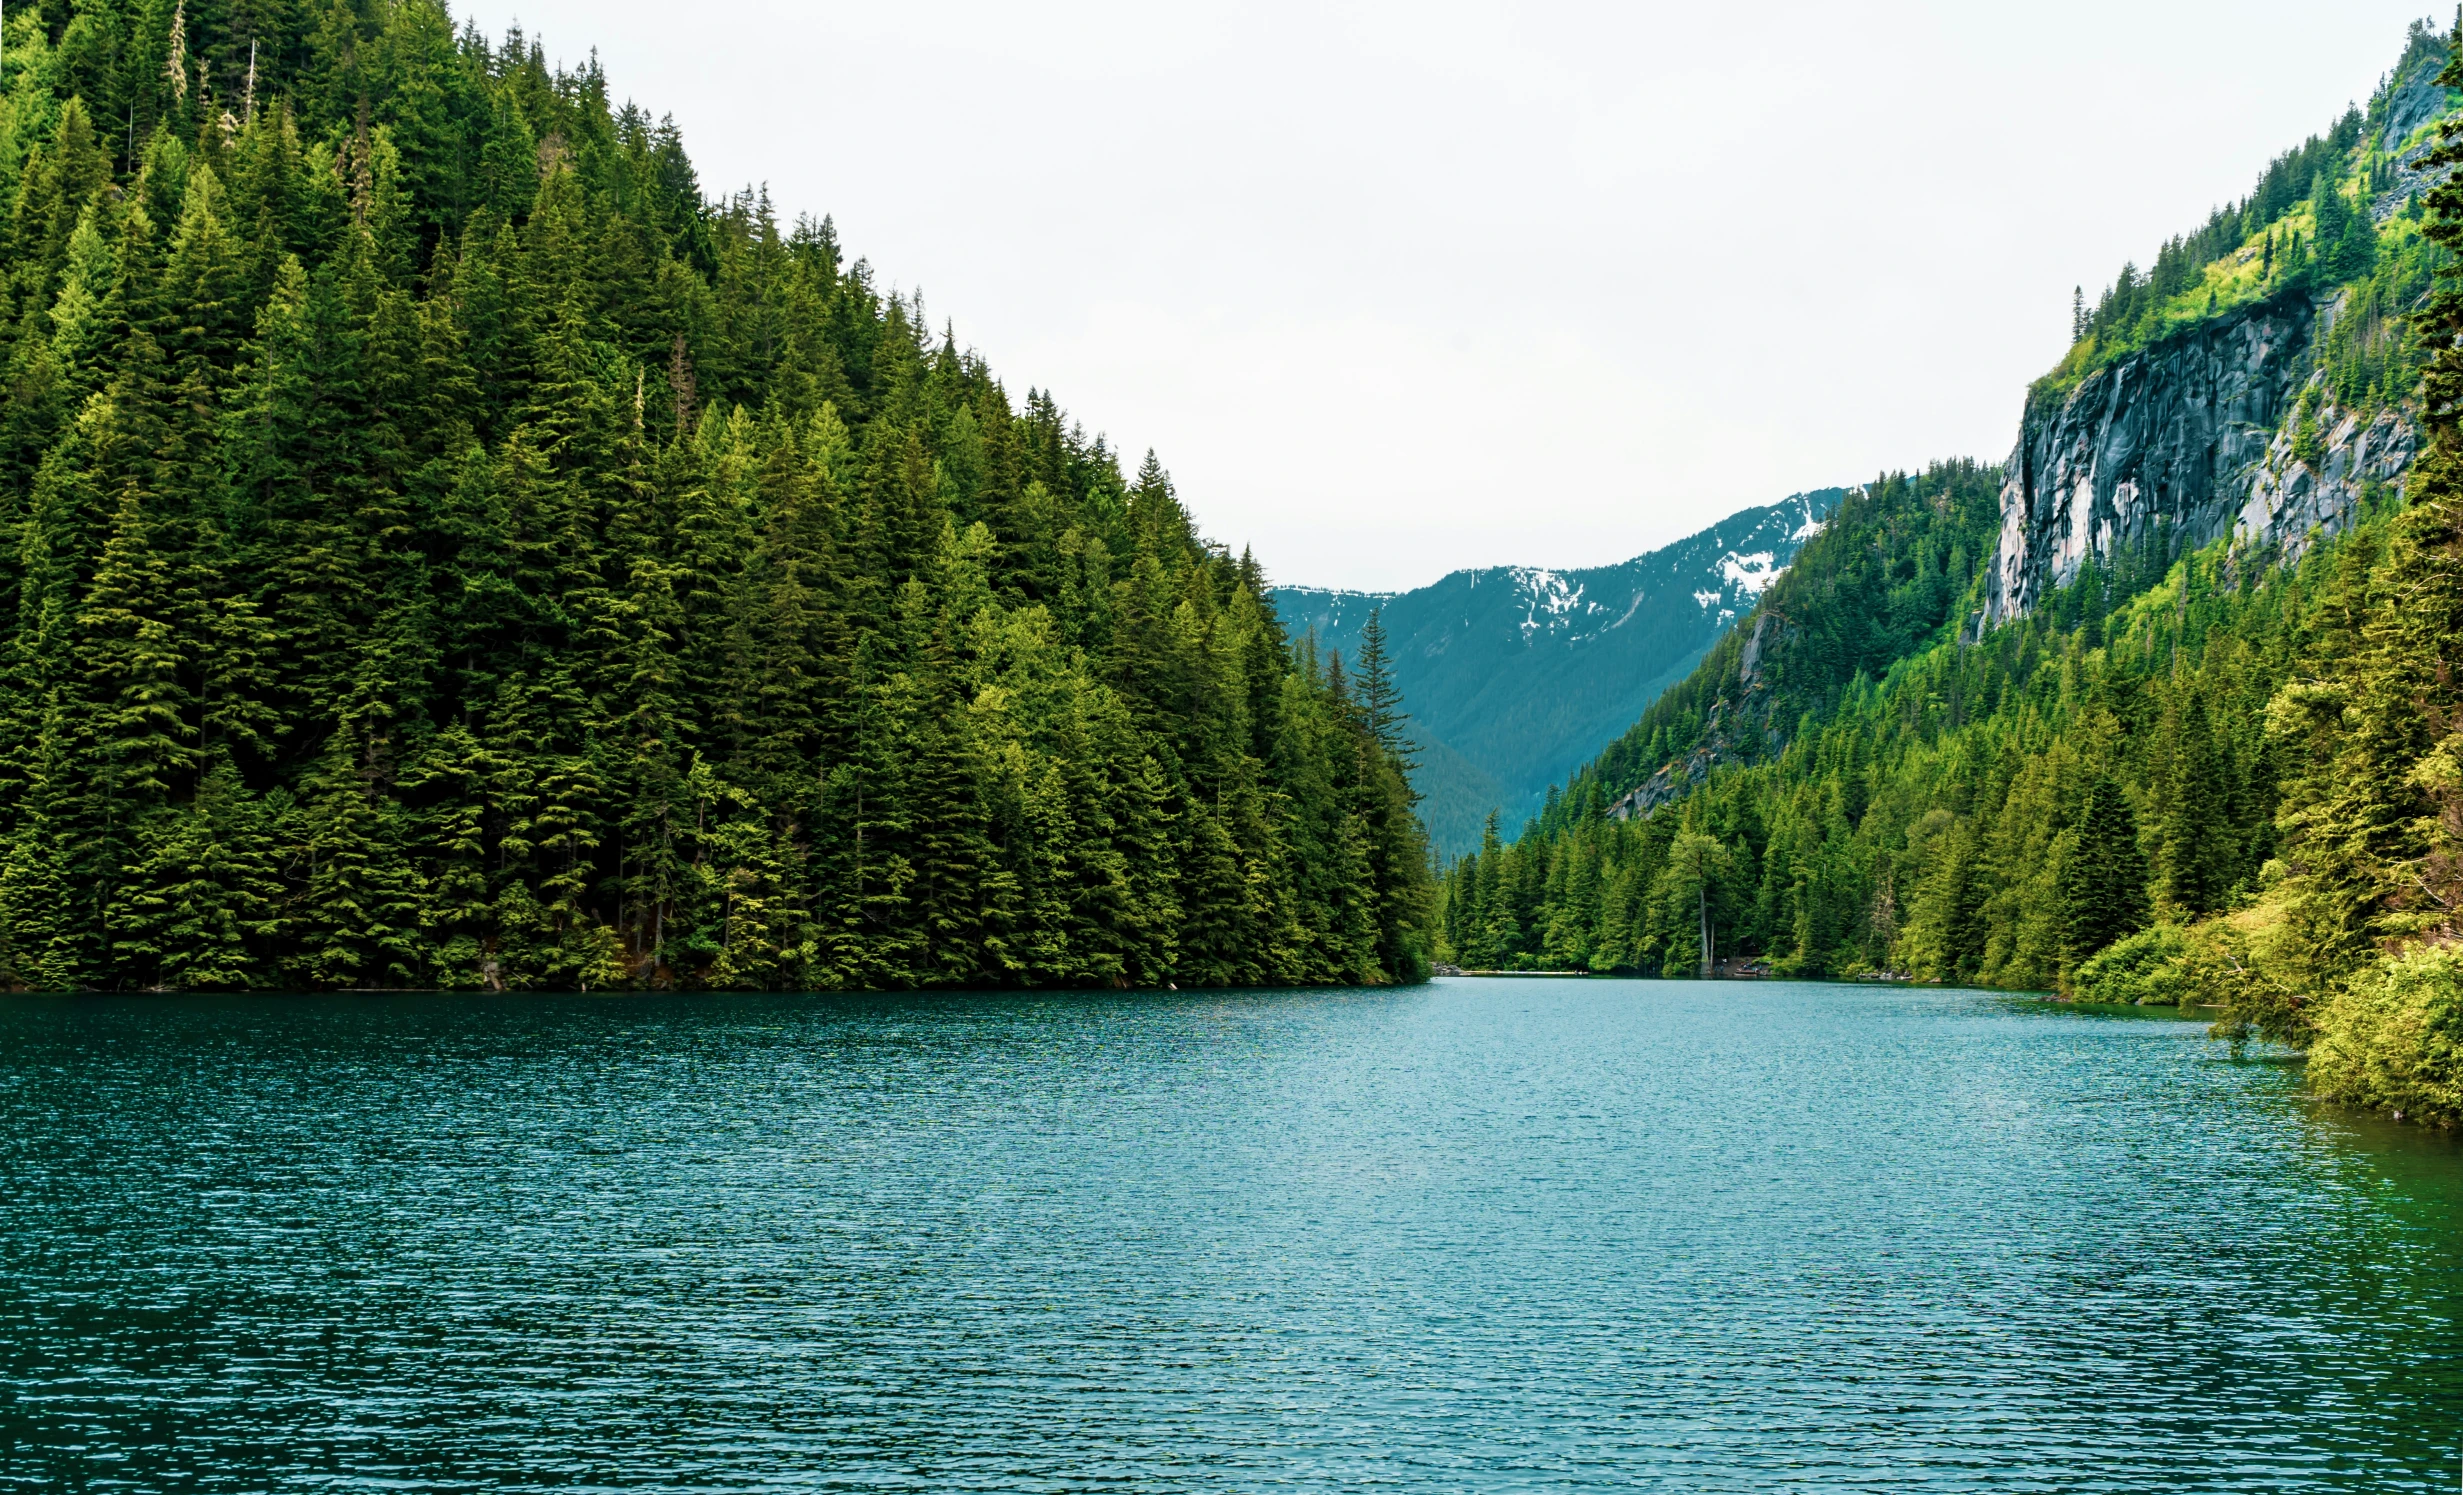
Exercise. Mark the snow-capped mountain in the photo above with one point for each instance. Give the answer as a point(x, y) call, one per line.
point(1516, 674)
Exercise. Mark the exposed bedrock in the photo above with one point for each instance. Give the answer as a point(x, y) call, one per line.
point(2189, 441)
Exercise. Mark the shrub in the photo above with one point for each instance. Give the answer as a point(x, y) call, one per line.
point(2393, 1038)
point(2145, 970)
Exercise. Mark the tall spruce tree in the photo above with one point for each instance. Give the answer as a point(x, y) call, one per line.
point(2104, 881)
point(2196, 857)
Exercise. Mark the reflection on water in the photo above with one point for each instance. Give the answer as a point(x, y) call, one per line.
point(1482, 1236)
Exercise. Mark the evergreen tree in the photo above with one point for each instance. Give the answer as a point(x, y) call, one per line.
point(2196, 854)
point(1380, 700)
point(2104, 884)
point(1696, 865)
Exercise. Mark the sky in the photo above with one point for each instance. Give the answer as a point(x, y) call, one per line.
point(1395, 289)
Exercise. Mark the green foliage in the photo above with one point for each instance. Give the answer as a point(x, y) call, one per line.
point(1698, 865)
point(2321, 217)
point(2101, 873)
point(1993, 810)
point(439, 547)
point(2371, 351)
point(2144, 970)
point(2393, 1038)
point(1890, 572)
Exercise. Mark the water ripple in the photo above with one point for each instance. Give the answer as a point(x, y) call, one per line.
point(1484, 1236)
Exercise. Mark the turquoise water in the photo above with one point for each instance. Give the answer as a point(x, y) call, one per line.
point(1482, 1236)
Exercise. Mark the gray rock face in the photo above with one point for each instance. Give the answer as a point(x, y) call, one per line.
point(2201, 432)
point(2414, 101)
point(2293, 502)
point(2223, 430)
point(2412, 176)
point(2188, 436)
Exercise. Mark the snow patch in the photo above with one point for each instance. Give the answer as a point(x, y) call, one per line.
point(1709, 600)
point(1750, 574)
point(1548, 599)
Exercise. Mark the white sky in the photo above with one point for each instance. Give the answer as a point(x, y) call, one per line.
point(1400, 288)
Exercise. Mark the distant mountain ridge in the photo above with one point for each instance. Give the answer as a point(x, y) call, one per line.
point(1515, 674)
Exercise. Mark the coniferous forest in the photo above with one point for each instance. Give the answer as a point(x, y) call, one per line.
point(440, 547)
point(2218, 777)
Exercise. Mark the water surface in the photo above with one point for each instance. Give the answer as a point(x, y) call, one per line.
point(1482, 1236)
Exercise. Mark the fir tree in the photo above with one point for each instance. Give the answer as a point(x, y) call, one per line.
point(2195, 863)
point(2104, 884)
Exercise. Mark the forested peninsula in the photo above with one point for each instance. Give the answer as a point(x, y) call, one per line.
point(2078, 724)
point(439, 547)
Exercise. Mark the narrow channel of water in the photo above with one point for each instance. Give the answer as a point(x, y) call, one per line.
point(1487, 1235)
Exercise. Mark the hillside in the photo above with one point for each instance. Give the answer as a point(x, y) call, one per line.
point(2182, 729)
point(1513, 675)
point(441, 547)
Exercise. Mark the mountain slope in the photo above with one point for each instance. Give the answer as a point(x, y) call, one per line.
point(1513, 675)
point(2254, 385)
point(2249, 390)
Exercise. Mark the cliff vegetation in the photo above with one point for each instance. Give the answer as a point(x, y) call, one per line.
point(2326, 214)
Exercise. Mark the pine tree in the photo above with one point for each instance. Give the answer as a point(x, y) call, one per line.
point(1696, 865)
point(1380, 698)
point(2104, 881)
point(2195, 865)
point(203, 908)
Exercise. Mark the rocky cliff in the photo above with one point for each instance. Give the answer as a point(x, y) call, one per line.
point(2189, 441)
point(2268, 422)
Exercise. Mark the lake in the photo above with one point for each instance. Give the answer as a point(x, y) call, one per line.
point(1478, 1236)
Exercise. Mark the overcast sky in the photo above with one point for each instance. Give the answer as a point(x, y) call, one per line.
point(1400, 288)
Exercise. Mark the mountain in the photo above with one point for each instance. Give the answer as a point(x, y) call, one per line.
point(2166, 709)
point(440, 547)
point(1513, 675)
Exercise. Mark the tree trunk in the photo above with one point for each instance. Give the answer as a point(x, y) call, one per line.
point(1703, 893)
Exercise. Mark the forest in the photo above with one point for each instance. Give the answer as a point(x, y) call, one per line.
point(441, 547)
point(2196, 777)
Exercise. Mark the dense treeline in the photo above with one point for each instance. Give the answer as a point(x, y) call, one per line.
point(2201, 778)
point(437, 546)
point(1919, 824)
point(2292, 180)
